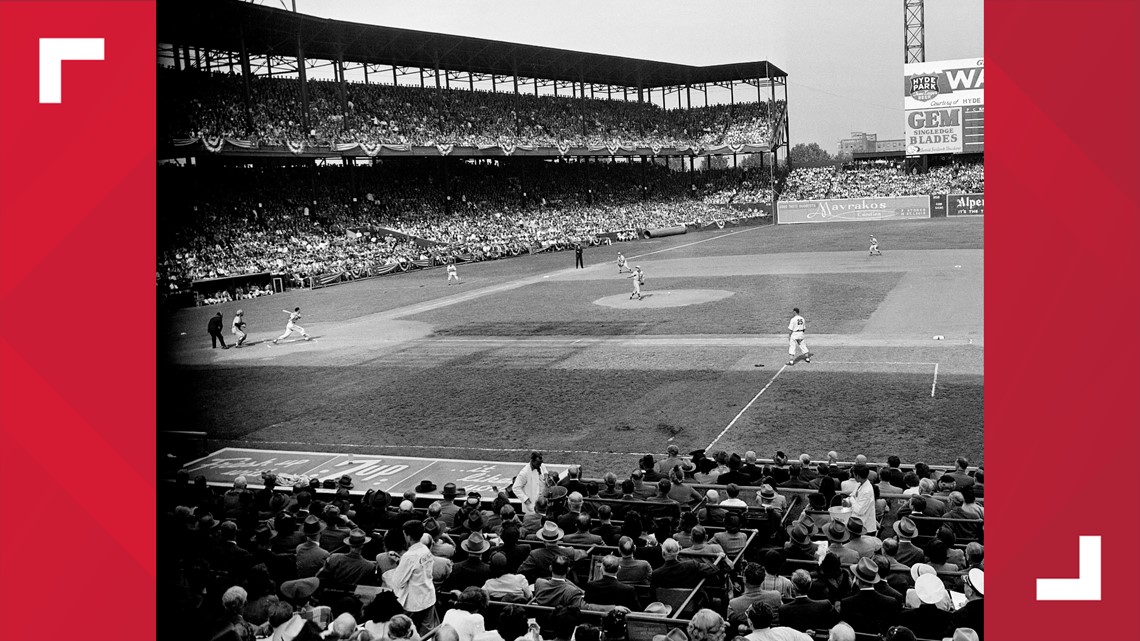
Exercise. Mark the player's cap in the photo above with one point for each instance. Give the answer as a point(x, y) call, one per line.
point(796, 309)
point(637, 267)
point(239, 313)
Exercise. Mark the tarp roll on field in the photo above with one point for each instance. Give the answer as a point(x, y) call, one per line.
point(666, 231)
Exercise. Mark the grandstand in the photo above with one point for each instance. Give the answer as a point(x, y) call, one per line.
point(304, 477)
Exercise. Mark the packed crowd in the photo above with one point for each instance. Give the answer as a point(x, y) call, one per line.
point(876, 549)
point(193, 104)
point(874, 179)
point(303, 222)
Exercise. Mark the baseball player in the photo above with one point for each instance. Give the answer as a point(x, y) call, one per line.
point(621, 264)
point(796, 328)
point(292, 326)
point(238, 327)
point(875, 246)
point(452, 272)
point(638, 277)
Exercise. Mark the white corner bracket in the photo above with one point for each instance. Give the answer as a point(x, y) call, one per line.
point(53, 51)
point(1086, 587)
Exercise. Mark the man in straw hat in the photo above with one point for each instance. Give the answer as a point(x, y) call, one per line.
point(869, 611)
point(299, 593)
point(928, 621)
point(538, 563)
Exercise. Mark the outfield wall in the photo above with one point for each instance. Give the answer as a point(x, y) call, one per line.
point(853, 210)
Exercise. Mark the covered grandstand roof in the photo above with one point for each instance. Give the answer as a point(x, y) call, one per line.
point(220, 25)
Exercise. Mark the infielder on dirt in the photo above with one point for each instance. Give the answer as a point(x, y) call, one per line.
point(875, 246)
point(796, 328)
point(452, 272)
point(622, 267)
point(292, 326)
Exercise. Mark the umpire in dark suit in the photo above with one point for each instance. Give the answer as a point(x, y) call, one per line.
point(215, 330)
point(578, 256)
point(608, 590)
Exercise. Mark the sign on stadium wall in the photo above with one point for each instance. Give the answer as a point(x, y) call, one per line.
point(853, 210)
point(944, 106)
point(965, 204)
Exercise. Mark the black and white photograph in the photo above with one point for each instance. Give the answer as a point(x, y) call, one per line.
point(579, 321)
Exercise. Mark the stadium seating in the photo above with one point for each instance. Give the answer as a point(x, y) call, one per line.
point(192, 511)
point(865, 179)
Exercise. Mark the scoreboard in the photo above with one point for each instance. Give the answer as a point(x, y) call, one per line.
point(944, 106)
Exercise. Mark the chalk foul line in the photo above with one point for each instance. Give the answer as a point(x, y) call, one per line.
point(741, 412)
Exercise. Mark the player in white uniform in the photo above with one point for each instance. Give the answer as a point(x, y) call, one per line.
point(875, 246)
point(452, 272)
point(292, 326)
point(621, 264)
point(638, 277)
point(238, 327)
point(796, 328)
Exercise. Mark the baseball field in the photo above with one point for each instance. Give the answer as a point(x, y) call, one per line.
point(530, 353)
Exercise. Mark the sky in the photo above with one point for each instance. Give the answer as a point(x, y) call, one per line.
point(843, 57)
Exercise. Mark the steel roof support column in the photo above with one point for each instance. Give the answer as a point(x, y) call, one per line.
point(245, 73)
point(342, 91)
point(304, 84)
point(395, 81)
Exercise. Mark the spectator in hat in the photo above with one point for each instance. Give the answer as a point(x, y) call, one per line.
point(504, 585)
point(299, 593)
point(763, 617)
point(863, 545)
point(530, 482)
point(802, 612)
point(910, 599)
point(349, 568)
point(473, 571)
point(754, 591)
point(971, 614)
point(282, 567)
point(226, 557)
point(869, 611)
point(605, 528)
point(632, 571)
point(837, 535)
point(799, 546)
point(411, 579)
point(771, 500)
point(311, 557)
point(537, 564)
point(928, 621)
point(442, 545)
point(908, 553)
point(333, 535)
point(467, 614)
point(289, 536)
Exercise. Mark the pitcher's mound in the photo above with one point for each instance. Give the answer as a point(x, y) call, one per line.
point(668, 298)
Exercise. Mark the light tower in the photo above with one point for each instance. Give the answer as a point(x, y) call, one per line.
point(914, 32)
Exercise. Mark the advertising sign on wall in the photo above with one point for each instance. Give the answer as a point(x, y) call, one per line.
point(944, 106)
point(965, 204)
point(853, 209)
